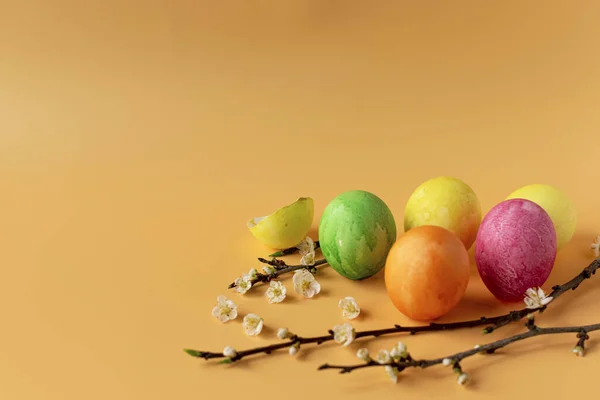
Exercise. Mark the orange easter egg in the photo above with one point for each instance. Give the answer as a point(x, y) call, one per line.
point(427, 272)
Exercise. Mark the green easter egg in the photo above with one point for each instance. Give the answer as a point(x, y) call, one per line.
point(356, 233)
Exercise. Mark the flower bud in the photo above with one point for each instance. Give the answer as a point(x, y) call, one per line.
point(462, 379)
point(578, 351)
point(363, 354)
point(229, 352)
point(283, 333)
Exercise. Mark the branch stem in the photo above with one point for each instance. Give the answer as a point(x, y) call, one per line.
point(492, 323)
point(280, 268)
point(291, 250)
point(457, 357)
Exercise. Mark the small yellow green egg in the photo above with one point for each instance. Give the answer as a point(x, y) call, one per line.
point(286, 227)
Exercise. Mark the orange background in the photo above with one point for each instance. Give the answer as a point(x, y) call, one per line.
point(136, 139)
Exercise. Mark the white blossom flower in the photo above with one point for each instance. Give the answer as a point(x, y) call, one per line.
point(283, 333)
point(344, 334)
point(276, 292)
point(308, 259)
point(399, 351)
point(253, 324)
point(383, 357)
point(363, 354)
point(225, 309)
point(267, 269)
point(447, 362)
point(350, 308)
point(392, 372)
point(293, 350)
point(535, 299)
point(305, 283)
point(253, 273)
point(243, 284)
point(578, 351)
point(306, 245)
point(229, 352)
point(307, 251)
point(463, 378)
point(596, 246)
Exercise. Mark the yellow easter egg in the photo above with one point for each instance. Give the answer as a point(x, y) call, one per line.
point(446, 202)
point(286, 227)
point(558, 206)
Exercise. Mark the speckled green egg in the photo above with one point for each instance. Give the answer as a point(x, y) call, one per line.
point(356, 233)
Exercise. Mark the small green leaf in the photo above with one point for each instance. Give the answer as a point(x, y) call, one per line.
point(193, 353)
point(277, 254)
point(225, 361)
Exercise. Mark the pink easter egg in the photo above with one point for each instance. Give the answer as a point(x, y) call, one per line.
point(515, 248)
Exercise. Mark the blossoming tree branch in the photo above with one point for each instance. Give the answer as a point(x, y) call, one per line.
point(398, 359)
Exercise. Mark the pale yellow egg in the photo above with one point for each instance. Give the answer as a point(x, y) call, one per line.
point(557, 204)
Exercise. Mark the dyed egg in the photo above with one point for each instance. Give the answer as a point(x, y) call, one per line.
point(427, 272)
point(356, 232)
point(286, 227)
point(446, 202)
point(515, 248)
point(558, 206)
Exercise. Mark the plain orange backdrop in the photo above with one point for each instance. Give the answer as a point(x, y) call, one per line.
point(137, 137)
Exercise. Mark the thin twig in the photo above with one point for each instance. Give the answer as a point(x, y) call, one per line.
point(291, 250)
point(492, 323)
point(457, 357)
point(280, 268)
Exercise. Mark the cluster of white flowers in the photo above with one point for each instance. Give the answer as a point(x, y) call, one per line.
point(226, 310)
point(535, 299)
point(304, 284)
point(399, 351)
point(304, 281)
point(386, 358)
point(307, 251)
point(595, 247)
